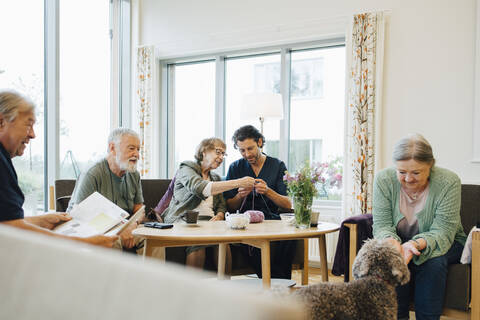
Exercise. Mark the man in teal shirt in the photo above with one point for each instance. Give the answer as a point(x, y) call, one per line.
point(115, 177)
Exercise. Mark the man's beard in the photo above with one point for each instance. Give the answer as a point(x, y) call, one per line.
point(126, 165)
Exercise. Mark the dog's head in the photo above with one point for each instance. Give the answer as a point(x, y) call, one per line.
point(380, 258)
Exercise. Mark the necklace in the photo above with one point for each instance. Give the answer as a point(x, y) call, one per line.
point(414, 195)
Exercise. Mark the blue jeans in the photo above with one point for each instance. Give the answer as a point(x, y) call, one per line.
point(427, 286)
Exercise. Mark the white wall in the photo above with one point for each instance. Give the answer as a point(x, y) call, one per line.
point(429, 56)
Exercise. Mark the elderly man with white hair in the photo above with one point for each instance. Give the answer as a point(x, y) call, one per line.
point(17, 117)
point(115, 177)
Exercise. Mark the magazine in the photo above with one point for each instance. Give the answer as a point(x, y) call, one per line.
point(94, 215)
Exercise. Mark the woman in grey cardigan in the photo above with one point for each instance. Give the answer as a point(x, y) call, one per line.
point(197, 188)
point(417, 206)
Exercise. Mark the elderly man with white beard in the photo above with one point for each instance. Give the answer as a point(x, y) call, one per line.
point(116, 178)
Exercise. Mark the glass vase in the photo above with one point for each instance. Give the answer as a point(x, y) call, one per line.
point(302, 207)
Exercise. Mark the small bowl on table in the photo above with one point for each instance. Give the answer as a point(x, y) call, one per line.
point(288, 218)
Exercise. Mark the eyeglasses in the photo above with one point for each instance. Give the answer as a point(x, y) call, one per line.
point(220, 152)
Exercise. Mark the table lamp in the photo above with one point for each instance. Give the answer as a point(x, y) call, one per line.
point(262, 105)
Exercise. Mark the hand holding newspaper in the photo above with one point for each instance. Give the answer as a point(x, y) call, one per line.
point(96, 215)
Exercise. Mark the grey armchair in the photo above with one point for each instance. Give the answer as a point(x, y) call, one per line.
point(462, 299)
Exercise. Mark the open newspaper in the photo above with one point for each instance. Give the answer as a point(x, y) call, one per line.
point(94, 215)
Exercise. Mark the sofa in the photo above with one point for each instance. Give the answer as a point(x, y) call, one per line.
point(462, 299)
point(50, 278)
point(153, 190)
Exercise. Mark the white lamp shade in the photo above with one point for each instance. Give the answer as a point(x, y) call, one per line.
point(267, 105)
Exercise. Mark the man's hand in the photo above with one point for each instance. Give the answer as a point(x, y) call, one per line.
point(219, 216)
point(261, 186)
point(127, 237)
point(245, 182)
point(409, 250)
point(102, 241)
point(51, 220)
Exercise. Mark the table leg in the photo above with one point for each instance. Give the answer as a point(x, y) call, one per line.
point(323, 257)
point(305, 263)
point(222, 253)
point(265, 247)
point(149, 248)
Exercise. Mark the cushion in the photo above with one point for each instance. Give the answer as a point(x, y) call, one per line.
point(165, 201)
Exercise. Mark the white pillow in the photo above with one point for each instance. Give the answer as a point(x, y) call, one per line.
point(467, 250)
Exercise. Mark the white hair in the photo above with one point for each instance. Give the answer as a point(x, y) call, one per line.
point(413, 146)
point(116, 135)
point(12, 103)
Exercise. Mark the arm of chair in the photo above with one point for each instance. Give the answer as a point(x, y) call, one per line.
point(352, 248)
point(475, 300)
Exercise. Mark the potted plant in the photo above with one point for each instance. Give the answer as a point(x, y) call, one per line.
point(302, 187)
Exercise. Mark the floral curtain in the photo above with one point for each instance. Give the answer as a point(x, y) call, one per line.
point(365, 50)
point(145, 61)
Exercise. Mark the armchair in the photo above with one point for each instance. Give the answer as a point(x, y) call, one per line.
point(462, 298)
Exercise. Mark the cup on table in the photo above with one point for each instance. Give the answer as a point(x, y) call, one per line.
point(314, 219)
point(190, 216)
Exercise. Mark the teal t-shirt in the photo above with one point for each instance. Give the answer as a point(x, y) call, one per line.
point(125, 191)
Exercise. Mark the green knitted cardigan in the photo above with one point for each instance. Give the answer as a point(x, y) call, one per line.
point(439, 221)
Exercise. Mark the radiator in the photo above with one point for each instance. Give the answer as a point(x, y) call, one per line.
point(327, 215)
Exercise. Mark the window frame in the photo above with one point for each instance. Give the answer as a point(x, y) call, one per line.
point(167, 104)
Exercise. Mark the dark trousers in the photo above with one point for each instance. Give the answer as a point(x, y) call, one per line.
point(281, 258)
point(427, 286)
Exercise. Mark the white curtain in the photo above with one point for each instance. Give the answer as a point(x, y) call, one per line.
point(144, 94)
point(365, 48)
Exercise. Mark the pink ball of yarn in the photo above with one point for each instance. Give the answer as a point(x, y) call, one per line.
point(255, 216)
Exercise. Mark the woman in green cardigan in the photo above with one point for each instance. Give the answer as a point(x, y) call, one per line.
point(417, 206)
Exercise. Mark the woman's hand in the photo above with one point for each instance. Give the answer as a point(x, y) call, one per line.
point(246, 182)
point(243, 192)
point(409, 250)
point(219, 216)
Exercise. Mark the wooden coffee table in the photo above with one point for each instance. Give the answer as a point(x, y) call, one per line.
point(258, 235)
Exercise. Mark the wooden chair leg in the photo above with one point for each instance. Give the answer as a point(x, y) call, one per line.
point(51, 192)
point(305, 263)
point(475, 305)
point(352, 251)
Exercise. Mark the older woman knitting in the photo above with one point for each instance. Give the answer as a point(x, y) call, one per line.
point(417, 206)
point(198, 188)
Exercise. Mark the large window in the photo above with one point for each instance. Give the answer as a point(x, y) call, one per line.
point(58, 53)
point(84, 84)
point(21, 69)
point(312, 81)
point(194, 108)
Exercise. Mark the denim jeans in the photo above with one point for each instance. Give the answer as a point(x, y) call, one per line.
point(427, 286)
